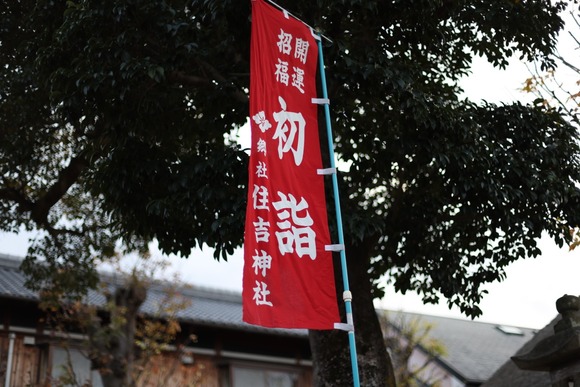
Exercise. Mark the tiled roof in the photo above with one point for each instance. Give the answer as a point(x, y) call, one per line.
point(12, 279)
point(474, 350)
point(509, 375)
point(204, 306)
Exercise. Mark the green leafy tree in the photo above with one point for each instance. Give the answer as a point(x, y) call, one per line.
point(116, 122)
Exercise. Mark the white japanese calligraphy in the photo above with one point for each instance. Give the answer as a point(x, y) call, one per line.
point(292, 238)
point(261, 230)
point(298, 79)
point(284, 42)
point(261, 169)
point(261, 262)
point(261, 146)
point(260, 197)
point(289, 132)
point(261, 293)
point(301, 50)
point(282, 72)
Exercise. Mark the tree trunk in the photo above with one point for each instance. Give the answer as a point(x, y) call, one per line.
point(116, 354)
point(330, 349)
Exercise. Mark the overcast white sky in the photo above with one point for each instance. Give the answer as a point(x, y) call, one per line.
point(526, 298)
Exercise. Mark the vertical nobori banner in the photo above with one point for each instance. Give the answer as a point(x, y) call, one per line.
point(288, 276)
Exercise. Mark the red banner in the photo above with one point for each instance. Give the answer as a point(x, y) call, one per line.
point(288, 276)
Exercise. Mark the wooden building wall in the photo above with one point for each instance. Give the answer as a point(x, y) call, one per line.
point(31, 364)
point(25, 362)
point(169, 370)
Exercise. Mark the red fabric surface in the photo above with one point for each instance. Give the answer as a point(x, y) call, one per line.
point(288, 276)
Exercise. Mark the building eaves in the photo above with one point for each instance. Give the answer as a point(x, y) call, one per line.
point(199, 305)
point(474, 350)
point(12, 280)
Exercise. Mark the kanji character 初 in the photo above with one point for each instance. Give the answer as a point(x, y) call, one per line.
point(282, 72)
point(289, 132)
point(261, 262)
point(284, 42)
point(301, 50)
point(261, 294)
point(261, 230)
point(295, 232)
point(260, 197)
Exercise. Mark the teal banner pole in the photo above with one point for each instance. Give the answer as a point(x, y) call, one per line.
point(347, 296)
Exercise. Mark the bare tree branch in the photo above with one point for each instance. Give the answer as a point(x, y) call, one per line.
point(66, 178)
point(190, 80)
point(16, 196)
point(40, 208)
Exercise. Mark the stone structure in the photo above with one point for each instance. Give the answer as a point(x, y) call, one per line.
point(558, 354)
